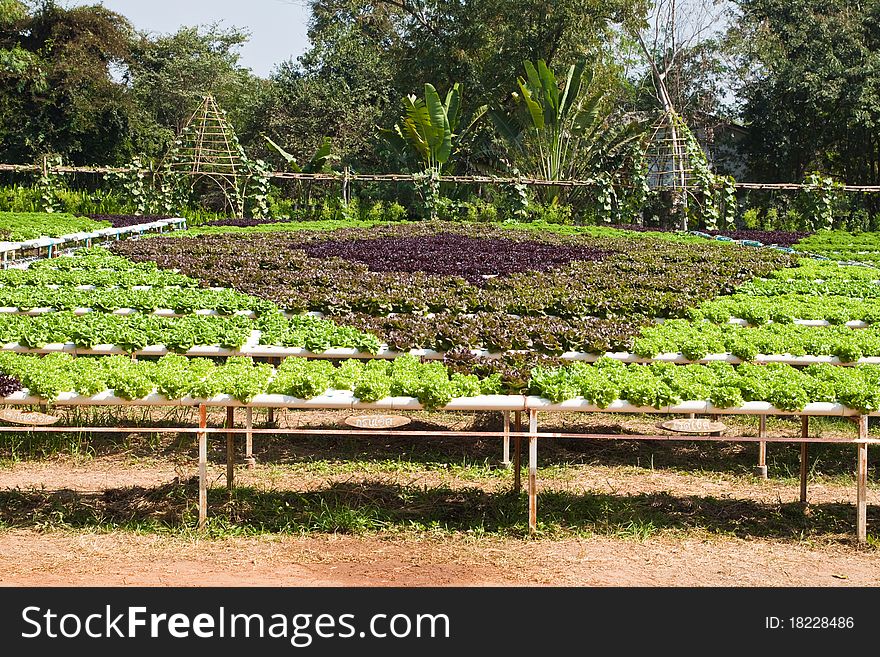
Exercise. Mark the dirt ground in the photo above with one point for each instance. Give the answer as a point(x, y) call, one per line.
point(35, 556)
point(121, 559)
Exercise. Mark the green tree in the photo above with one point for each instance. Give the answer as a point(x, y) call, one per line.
point(812, 87)
point(399, 45)
point(171, 74)
point(341, 88)
point(57, 89)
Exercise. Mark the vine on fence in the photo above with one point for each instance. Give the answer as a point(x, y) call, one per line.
point(134, 182)
point(518, 197)
point(427, 186)
point(48, 182)
point(715, 194)
point(256, 187)
point(172, 192)
point(817, 201)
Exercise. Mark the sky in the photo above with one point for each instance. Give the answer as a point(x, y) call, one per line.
point(277, 27)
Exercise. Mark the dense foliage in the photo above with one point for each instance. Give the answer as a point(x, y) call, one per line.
point(809, 90)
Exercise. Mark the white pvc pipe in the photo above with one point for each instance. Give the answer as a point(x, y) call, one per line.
point(345, 399)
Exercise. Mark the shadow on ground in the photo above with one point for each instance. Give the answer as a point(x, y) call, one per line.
point(703, 457)
point(375, 505)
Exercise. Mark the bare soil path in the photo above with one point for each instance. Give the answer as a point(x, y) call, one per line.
point(32, 555)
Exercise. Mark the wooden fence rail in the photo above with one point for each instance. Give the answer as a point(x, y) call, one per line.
point(342, 177)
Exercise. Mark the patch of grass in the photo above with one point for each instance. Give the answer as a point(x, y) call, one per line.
point(466, 469)
point(370, 506)
point(18, 447)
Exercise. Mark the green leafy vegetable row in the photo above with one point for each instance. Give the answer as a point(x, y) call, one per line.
point(177, 377)
point(96, 257)
point(22, 226)
point(810, 269)
point(787, 308)
point(663, 384)
point(842, 288)
point(697, 339)
point(656, 385)
point(838, 239)
point(180, 300)
point(96, 277)
point(134, 332)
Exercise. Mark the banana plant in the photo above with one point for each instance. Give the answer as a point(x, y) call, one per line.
point(318, 163)
point(428, 132)
point(561, 131)
point(427, 127)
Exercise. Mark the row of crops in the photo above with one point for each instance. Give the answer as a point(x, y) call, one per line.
point(843, 246)
point(56, 285)
point(656, 385)
point(528, 298)
point(568, 293)
point(22, 226)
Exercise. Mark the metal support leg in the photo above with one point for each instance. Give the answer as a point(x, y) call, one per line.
point(533, 472)
point(249, 439)
point(805, 433)
point(203, 467)
point(230, 449)
point(505, 456)
point(761, 468)
point(862, 482)
point(517, 452)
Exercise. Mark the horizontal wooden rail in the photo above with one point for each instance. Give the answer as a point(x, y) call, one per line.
point(408, 178)
point(450, 432)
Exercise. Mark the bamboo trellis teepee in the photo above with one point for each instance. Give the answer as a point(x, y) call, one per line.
point(669, 149)
point(208, 150)
point(667, 153)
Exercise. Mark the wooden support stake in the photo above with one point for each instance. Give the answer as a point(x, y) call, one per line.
point(517, 452)
point(862, 482)
point(203, 467)
point(230, 449)
point(533, 472)
point(761, 468)
point(505, 456)
point(805, 433)
point(249, 439)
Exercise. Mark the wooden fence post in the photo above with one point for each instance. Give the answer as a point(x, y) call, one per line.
point(533, 472)
point(862, 482)
point(805, 433)
point(203, 467)
point(505, 448)
point(761, 468)
point(230, 448)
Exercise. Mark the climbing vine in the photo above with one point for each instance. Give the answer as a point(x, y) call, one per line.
point(427, 186)
point(715, 195)
point(48, 182)
point(817, 201)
